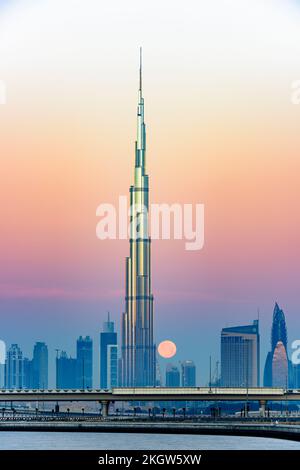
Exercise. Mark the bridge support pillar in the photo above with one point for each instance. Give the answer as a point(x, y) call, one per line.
point(105, 407)
point(262, 408)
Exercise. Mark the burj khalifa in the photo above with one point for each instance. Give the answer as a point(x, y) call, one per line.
point(138, 348)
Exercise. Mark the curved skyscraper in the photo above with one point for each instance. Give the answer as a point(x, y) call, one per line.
point(279, 332)
point(138, 348)
point(277, 357)
point(280, 366)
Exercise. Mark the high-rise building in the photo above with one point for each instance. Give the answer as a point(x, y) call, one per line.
point(278, 338)
point(84, 362)
point(14, 373)
point(138, 348)
point(112, 366)
point(66, 371)
point(240, 356)
point(295, 375)
point(2, 375)
point(2, 363)
point(108, 355)
point(172, 376)
point(268, 370)
point(28, 373)
point(188, 374)
point(279, 331)
point(280, 366)
point(40, 366)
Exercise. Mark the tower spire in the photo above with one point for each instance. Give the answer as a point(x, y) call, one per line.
point(140, 83)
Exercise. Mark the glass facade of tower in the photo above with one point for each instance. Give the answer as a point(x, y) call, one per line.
point(112, 366)
point(66, 369)
point(280, 366)
point(14, 368)
point(40, 366)
point(172, 376)
point(240, 356)
point(84, 362)
point(278, 335)
point(108, 356)
point(188, 374)
point(138, 348)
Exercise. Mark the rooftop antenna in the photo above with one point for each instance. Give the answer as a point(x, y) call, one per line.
point(108, 317)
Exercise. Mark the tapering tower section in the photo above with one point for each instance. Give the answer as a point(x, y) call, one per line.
point(138, 348)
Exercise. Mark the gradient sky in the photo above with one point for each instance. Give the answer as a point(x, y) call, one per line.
point(221, 131)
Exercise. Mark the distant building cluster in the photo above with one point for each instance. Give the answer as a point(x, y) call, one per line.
point(240, 356)
point(186, 377)
point(21, 372)
point(71, 373)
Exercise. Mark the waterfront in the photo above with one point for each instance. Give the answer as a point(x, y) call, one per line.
point(18, 440)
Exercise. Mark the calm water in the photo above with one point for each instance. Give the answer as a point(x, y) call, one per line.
point(121, 441)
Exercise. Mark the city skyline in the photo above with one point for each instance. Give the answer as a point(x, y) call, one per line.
point(247, 345)
point(58, 277)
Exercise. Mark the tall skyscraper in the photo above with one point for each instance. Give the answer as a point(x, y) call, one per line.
point(28, 373)
point(14, 372)
point(40, 366)
point(278, 335)
point(295, 375)
point(240, 356)
point(138, 348)
point(188, 374)
point(2, 363)
point(280, 366)
point(112, 366)
point(108, 355)
point(2, 375)
point(279, 331)
point(66, 370)
point(172, 376)
point(84, 362)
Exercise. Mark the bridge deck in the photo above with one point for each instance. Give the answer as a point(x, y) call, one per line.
point(153, 394)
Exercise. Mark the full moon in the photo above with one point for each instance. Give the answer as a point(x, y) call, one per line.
point(167, 349)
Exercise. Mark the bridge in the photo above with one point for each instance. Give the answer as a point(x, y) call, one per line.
point(152, 394)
